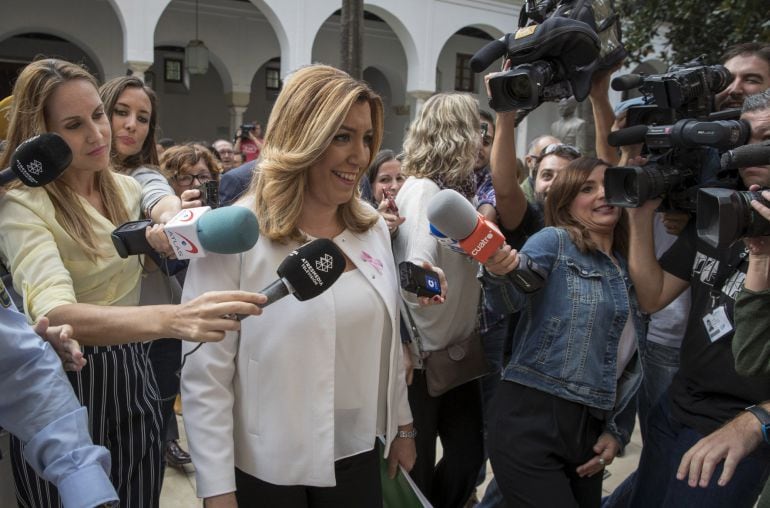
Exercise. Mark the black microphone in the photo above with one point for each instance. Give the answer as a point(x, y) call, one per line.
point(628, 136)
point(306, 272)
point(627, 82)
point(746, 156)
point(38, 161)
point(484, 57)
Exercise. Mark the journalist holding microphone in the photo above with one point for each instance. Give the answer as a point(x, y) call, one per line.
point(439, 155)
point(555, 421)
point(286, 412)
point(56, 241)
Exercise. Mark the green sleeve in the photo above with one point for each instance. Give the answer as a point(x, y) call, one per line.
point(751, 342)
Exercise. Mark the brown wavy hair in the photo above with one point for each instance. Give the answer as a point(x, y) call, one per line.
point(175, 158)
point(110, 93)
point(562, 193)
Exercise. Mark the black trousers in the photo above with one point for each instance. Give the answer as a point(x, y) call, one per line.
point(118, 388)
point(166, 358)
point(536, 441)
point(358, 485)
point(456, 418)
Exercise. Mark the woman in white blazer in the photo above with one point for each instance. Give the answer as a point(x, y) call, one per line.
point(286, 412)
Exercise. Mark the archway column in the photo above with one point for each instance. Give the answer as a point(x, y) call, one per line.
point(419, 96)
point(237, 102)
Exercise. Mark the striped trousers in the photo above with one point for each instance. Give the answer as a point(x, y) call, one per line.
point(118, 387)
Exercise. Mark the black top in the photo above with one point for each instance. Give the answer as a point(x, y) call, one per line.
point(707, 391)
point(532, 222)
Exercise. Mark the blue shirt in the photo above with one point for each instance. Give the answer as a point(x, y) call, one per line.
point(39, 407)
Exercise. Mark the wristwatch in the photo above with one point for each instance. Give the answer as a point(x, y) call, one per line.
point(409, 435)
point(764, 419)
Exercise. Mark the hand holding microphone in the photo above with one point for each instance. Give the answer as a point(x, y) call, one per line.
point(454, 216)
point(193, 232)
point(305, 273)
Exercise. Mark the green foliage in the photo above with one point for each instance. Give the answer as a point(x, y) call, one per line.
point(690, 28)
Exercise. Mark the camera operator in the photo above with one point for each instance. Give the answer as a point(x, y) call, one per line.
point(707, 393)
point(248, 141)
point(749, 63)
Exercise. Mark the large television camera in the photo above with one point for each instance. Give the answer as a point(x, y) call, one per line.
point(555, 52)
point(684, 91)
point(725, 215)
point(681, 134)
point(676, 154)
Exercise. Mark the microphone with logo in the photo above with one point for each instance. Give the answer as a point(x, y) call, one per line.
point(454, 216)
point(450, 214)
point(306, 272)
point(194, 232)
point(38, 161)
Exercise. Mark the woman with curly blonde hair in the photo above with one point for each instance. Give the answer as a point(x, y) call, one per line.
point(302, 392)
point(439, 153)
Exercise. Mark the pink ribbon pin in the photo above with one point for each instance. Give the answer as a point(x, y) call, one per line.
point(376, 263)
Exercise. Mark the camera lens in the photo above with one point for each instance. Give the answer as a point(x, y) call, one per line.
point(519, 87)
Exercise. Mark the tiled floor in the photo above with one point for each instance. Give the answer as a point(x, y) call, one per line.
point(179, 488)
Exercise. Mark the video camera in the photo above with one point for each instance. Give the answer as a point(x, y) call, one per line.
point(555, 52)
point(246, 128)
point(681, 134)
point(724, 215)
point(683, 91)
point(676, 154)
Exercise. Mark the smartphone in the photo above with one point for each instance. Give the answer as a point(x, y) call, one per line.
point(209, 193)
point(418, 280)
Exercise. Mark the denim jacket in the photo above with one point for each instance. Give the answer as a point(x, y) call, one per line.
point(566, 342)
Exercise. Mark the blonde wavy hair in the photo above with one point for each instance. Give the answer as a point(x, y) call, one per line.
point(443, 141)
point(307, 115)
point(28, 117)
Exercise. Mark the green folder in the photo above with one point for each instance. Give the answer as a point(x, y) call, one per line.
point(400, 492)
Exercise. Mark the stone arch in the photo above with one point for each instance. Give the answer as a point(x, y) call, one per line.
point(94, 62)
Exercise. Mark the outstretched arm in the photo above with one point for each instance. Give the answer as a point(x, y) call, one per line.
point(511, 202)
point(604, 117)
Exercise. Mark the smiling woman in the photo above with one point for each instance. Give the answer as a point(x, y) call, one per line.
point(305, 389)
point(574, 367)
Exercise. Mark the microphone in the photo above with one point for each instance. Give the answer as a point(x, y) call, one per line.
point(454, 216)
point(38, 161)
point(194, 232)
point(628, 136)
point(627, 82)
point(484, 57)
point(306, 272)
point(746, 156)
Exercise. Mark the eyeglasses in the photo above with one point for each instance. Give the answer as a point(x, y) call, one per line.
point(188, 179)
point(560, 150)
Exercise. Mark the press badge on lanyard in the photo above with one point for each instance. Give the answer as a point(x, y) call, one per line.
point(717, 323)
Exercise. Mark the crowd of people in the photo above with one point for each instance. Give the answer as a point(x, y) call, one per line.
point(302, 402)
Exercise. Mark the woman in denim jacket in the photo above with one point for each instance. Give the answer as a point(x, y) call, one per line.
point(555, 423)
